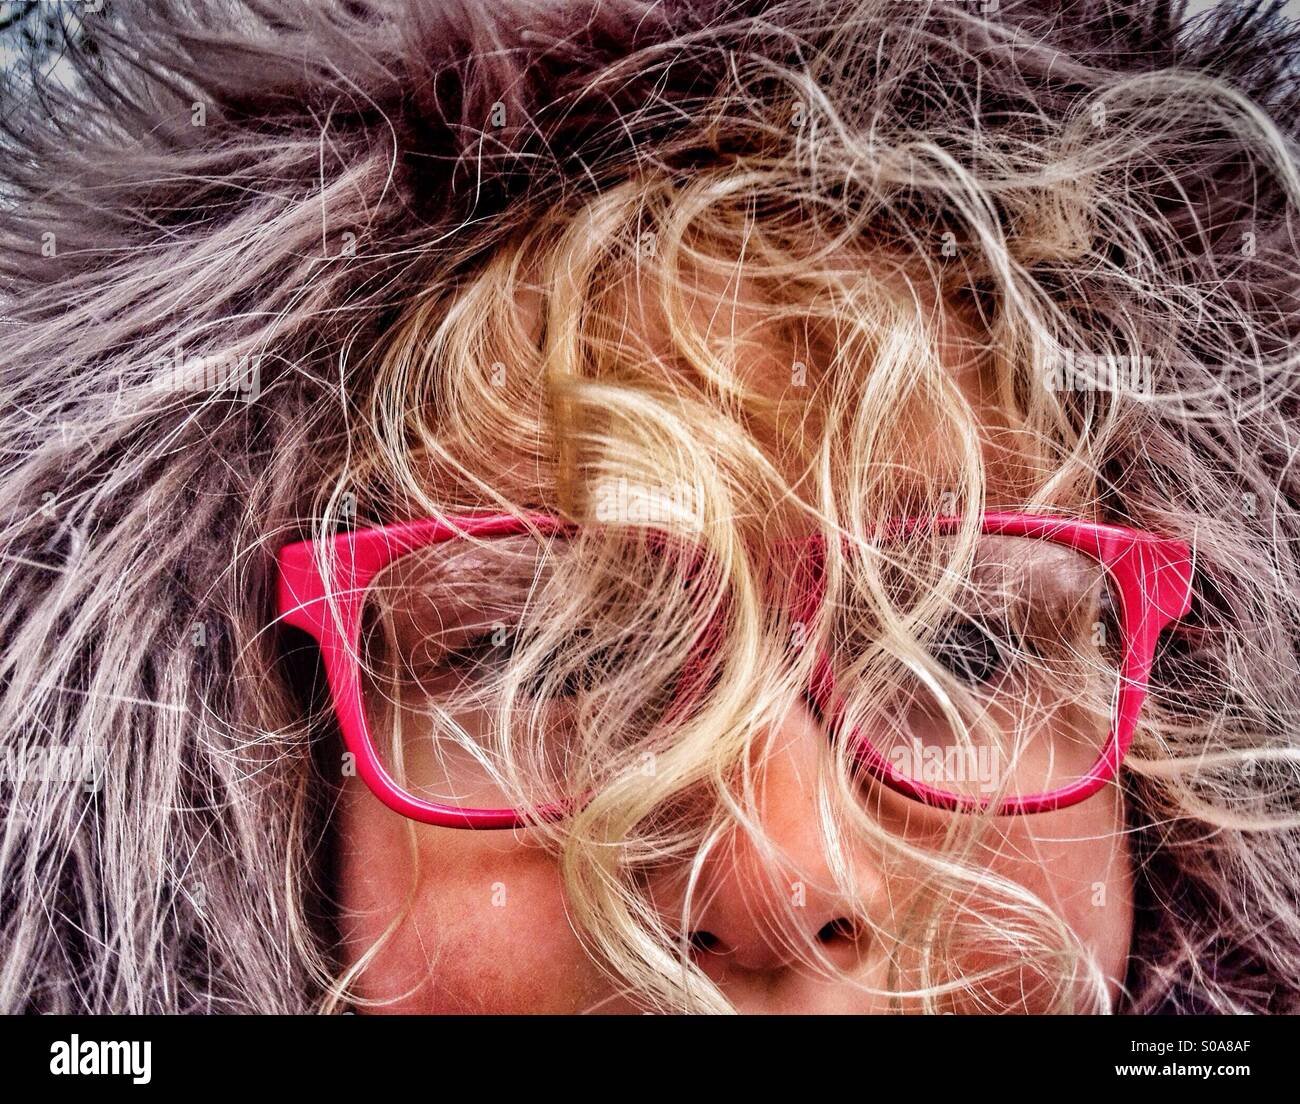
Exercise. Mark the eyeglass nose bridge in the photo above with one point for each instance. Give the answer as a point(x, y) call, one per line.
point(805, 593)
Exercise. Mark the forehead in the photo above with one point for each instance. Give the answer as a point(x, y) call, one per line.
point(716, 332)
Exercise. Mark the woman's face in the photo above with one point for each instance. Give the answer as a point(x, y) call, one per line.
point(488, 931)
point(477, 921)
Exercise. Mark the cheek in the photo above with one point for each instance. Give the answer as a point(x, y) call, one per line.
point(1077, 860)
point(479, 922)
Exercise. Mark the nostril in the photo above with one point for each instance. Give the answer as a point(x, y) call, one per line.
point(706, 941)
point(839, 930)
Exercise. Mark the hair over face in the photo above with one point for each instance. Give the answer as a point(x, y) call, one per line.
point(506, 255)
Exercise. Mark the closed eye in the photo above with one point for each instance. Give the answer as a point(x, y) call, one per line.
point(481, 651)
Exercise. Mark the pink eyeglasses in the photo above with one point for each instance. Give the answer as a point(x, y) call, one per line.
point(1049, 629)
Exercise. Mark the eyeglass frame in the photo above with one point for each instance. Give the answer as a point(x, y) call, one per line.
point(323, 585)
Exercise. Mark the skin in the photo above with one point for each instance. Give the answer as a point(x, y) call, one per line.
point(478, 921)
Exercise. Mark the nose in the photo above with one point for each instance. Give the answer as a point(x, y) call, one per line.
point(766, 899)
